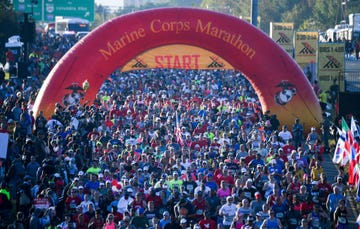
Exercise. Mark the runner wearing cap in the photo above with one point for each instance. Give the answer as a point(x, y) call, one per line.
point(272, 222)
point(124, 202)
point(175, 182)
point(72, 201)
point(200, 204)
point(249, 222)
point(136, 203)
point(228, 212)
point(257, 203)
point(165, 220)
point(139, 220)
point(258, 220)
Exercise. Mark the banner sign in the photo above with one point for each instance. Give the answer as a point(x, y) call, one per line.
point(275, 76)
point(47, 10)
point(331, 64)
point(283, 35)
point(305, 53)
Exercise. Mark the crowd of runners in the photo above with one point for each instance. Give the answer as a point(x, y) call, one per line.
point(160, 148)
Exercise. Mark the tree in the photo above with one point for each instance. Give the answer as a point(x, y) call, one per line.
point(102, 14)
point(316, 15)
point(8, 25)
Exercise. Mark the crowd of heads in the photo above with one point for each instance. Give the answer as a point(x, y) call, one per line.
point(158, 148)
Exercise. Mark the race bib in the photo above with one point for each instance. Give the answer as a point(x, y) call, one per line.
point(279, 215)
point(293, 221)
point(315, 222)
point(199, 212)
point(342, 220)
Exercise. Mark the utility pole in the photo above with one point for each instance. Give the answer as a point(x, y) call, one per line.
point(254, 12)
point(28, 36)
point(343, 4)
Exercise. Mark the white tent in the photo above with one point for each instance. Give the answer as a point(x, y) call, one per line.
point(14, 42)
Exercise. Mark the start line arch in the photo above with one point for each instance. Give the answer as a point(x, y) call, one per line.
point(278, 81)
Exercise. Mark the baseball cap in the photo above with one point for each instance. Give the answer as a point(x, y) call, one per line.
point(183, 220)
point(140, 210)
point(250, 218)
point(166, 213)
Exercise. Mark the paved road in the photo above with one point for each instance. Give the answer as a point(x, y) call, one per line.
point(352, 75)
point(353, 67)
point(352, 64)
point(331, 172)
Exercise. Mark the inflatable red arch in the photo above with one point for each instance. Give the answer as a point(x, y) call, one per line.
point(279, 82)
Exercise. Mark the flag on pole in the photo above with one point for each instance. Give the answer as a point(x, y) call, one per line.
point(338, 154)
point(354, 172)
point(357, 173)
point(358, 191)
point(346, 157)
point(354, 129)
point(353, 155)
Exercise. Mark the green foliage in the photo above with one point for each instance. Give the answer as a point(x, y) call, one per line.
point(8, 25)
point(305, 14)
point(102, 14)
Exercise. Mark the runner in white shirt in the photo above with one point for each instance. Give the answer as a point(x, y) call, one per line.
point(284, 134)
point(228, 212)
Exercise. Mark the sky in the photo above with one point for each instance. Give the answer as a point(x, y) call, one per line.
point(110, 3)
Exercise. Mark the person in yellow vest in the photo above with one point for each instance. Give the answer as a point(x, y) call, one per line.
point(4, 191)
point(5, 205)
point(323, 97)
point(175, 182)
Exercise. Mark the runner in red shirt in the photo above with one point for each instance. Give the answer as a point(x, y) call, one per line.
point(207, 222)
